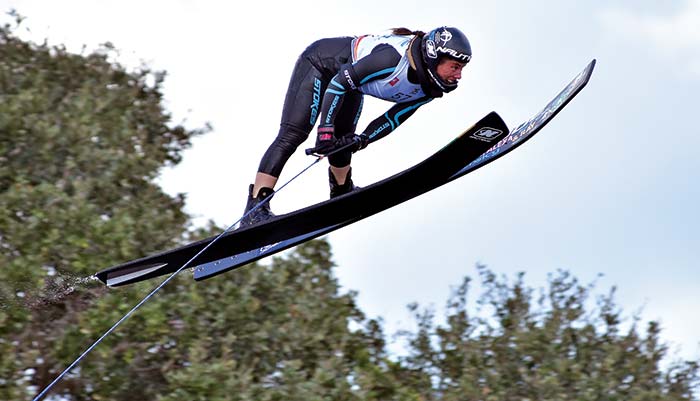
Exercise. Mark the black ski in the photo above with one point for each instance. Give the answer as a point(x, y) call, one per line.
point(462, 156)
point(333, 212)
point(516, 138)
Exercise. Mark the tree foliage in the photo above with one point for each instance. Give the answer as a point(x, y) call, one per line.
point(559, 345)
point(81, 141)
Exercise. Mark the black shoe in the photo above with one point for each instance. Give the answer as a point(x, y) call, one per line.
point(260, 214)
point(336, 189)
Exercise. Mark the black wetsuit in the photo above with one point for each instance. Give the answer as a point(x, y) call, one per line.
point(326, 83)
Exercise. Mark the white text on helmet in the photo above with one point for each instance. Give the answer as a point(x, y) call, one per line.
point(454, 54)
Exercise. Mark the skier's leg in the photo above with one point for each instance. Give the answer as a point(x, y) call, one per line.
point(339, 172)
point(299, 114)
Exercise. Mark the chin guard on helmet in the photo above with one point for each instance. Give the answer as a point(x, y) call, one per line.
point(444, 42)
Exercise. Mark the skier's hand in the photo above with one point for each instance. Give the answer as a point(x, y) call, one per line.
point(325, 142)
point(362, 141)
point(353, 142)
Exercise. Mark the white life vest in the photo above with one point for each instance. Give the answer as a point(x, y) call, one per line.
point(396, 87)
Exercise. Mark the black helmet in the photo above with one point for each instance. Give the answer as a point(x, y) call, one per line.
point(444, 42)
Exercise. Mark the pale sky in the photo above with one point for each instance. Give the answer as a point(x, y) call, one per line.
point(610, 186)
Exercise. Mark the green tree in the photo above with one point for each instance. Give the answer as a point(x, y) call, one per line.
point(81, 141)
point(545, 347)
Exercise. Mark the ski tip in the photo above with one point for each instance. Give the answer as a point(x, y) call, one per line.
point(493, 118)
point(588, 71)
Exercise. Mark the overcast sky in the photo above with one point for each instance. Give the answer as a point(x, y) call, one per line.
point(609, 186)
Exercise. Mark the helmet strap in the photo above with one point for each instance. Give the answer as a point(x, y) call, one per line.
point(436, 80)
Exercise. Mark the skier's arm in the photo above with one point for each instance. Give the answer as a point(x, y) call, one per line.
point(387, 122)
point(377, 129)
point(380, 63)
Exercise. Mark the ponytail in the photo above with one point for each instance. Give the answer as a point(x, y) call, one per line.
point(406, 32)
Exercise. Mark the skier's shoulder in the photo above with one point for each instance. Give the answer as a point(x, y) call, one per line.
point(384, 42)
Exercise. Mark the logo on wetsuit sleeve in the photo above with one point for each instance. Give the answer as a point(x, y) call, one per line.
point(316, 101)
point(380, 129)
point(334, 104)
point(349, 79)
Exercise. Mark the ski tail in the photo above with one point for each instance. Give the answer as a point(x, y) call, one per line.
point(127, 276)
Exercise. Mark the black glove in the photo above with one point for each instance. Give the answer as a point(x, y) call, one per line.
point(325, 141)
point(358, 142)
